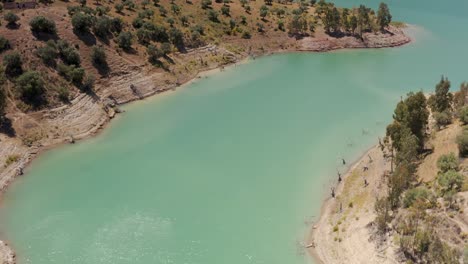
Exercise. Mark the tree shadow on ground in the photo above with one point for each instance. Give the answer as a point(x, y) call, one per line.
point(42, 36)
point(6, 127)
point(130, 50)
point(87, 38)
point(160, 64)
point(337, 34)
point(13, 26)
point(103, 69)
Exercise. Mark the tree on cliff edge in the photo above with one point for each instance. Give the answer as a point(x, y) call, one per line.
point(411, 114)
point(442, 100)
point(363, 19)
point(383, 16)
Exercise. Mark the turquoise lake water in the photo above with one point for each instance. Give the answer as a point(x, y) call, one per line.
point(230, 169)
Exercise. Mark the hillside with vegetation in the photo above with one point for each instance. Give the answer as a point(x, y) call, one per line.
point(426, 213)
point(405, 201)
point(55, 52)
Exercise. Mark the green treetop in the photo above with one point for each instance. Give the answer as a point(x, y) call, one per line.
point(383, 16)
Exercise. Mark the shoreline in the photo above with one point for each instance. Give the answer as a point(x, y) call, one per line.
point(343, 232)
point(29, 153)
point(328, 202)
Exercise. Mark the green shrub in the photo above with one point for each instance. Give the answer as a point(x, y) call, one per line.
point(73, 10)
point(154, 53)
point(68, 54)
point(48, 53)
point(162, 11)
point(147, 13)
point(11, 18)
point(447, 162)
point(213, 16)
point(382, 207)
point(422, 241)
point(119, 7)
point(463, 115)
point(63, 70)
point(443, 118)
point(129, 4)
point(246, 35)
point(170, 21)
point(158, 32)
point(71, 73)
point(101, 10)
point(418, 193)
point(260, 27)
point(102, 27)
point(31, 87)
point(205, 4)
point(441, 252)
point(225, 10)
point(63, 94)
point(40, 24)
point(116, 24)
point(4, 44)
point(263, 11)
point(137, 22)
point(450, 181)
point(166, 48)
point(243, 20)
point(11, 159)
point(125, 40)
point(13, 63)
point(144, 36)
point(199, 29)
point(462, 141)
point(175, 9)
point(177, 37)
point(196, 39)
point(184, 20)
point(76, 74)
point(82, 22)
point(88, 83)
point(281, 25)
point(98, 56)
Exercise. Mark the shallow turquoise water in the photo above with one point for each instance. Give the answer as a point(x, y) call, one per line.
point(231, 168)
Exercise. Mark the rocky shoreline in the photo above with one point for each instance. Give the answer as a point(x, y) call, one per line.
point(393, 37)
point(87, 114)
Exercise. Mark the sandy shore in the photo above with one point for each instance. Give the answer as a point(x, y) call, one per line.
point(87, 115)
point(7, 256)
point(343, 232)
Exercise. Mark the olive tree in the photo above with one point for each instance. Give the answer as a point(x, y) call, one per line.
point(11, 18)
point(31, 87)
point(41, 24)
